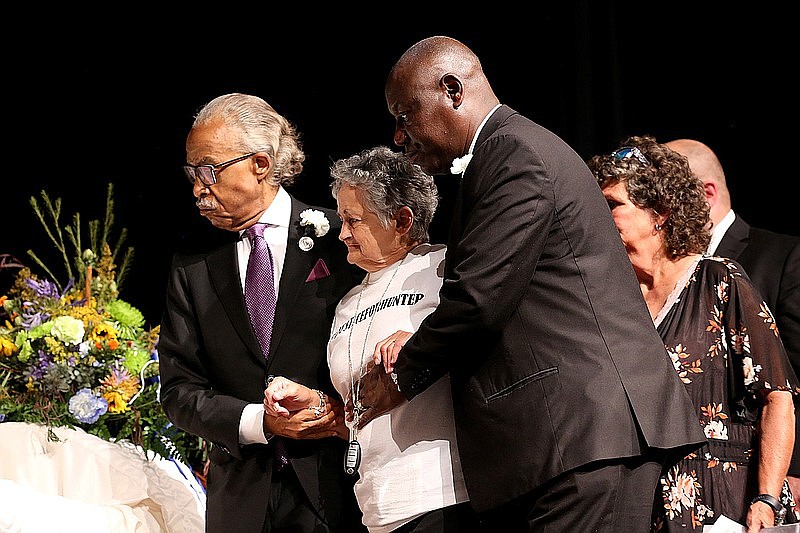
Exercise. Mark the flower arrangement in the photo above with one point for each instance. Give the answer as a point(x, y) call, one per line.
point(312, 221)
point(76, 354)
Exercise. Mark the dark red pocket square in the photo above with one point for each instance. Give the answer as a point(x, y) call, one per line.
point(319, 271)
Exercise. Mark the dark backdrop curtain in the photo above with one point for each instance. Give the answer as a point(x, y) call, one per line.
point(94, 103)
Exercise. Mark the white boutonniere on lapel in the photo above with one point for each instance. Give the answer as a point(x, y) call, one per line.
point(460, 164)
point(312, 223)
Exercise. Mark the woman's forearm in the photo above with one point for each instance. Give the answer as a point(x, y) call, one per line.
point(776, 441)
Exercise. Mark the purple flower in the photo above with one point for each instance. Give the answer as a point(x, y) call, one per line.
point(38, 368)
point(31, 317)
point(34, 313)
point(47, 289)
point(87, 407)
point(44, 288)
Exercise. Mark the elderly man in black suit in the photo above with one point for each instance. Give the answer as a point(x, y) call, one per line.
point(266, 473)
point(566, 404)
point(771, 260)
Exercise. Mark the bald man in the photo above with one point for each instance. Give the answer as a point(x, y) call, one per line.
point(772, 260)
point(567, 406)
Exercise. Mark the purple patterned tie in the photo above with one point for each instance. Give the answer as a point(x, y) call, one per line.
point(259, 287)
point(259, 293)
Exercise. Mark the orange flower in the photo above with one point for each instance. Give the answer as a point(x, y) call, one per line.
point(104, 332)
point(118, 388)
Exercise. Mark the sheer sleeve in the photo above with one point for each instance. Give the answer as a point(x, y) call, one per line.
point(757, 358)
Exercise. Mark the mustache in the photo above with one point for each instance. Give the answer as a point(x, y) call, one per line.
point(206, 202)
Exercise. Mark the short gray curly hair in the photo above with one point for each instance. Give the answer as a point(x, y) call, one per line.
point(389, 181)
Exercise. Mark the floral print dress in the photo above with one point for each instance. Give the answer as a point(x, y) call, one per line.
point(724, 344)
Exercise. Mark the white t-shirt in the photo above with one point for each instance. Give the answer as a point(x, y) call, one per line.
point(409, 458)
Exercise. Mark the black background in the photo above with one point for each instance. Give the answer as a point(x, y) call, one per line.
point(109, 100)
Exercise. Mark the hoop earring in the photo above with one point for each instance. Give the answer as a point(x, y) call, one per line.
point(658, 227)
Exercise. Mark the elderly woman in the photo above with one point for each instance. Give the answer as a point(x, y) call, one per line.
point(407, 461)
point(721, 337)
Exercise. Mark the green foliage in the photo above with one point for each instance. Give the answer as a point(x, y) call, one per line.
point(49, 215)
point(73, 354)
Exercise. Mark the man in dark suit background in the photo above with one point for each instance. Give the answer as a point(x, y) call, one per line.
point(771, 260)
point(567, 406)
point(240, 154)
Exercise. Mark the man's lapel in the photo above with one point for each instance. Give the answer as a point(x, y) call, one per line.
point(735, 239)
point(224, 273)
point(296, 268)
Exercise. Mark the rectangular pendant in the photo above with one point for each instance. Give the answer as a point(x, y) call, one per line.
point(352, 458)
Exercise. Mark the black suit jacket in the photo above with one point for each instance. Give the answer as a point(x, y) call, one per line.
point(211, 366)
point(554, 359)
point(772, 261)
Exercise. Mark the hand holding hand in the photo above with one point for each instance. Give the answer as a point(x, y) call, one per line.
point(305, 424)
point(283, 397)
point(379, 395)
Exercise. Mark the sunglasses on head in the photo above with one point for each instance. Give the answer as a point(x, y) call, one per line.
point(626, 152)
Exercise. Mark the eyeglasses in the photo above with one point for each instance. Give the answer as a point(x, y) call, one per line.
point(627, 152)
point(208, 173)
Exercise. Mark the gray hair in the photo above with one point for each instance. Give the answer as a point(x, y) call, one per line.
point(389, 181)
point(261, 129)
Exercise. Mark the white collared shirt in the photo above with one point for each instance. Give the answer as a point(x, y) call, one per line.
point(277, 215)
point(276, 234)
point(718, 231)
point(478, 132)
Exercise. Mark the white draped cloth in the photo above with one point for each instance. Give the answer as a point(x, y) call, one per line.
point(83, 483)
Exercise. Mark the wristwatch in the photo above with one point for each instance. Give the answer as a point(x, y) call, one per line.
point(775, 503)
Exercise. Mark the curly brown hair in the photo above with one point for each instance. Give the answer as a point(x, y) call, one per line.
point(658, 178)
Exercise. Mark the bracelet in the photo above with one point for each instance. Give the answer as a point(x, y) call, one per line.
point(775, 503)
point(319, 410)
point(393, 375)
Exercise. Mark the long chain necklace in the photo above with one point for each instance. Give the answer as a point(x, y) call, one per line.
point(353, 456)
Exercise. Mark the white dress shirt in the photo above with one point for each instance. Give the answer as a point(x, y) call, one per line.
point(718, 231)
point(277, 215)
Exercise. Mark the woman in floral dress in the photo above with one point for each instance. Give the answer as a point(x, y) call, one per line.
point(721, 337)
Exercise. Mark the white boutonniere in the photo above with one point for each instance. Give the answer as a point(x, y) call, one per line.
point(460, 164)
point(312, 222)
